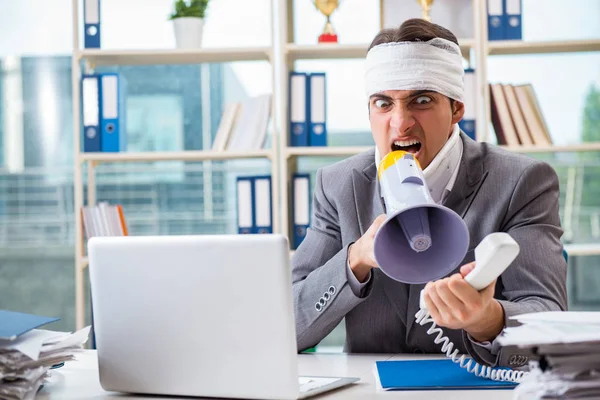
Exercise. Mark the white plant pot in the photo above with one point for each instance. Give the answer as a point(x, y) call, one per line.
point(188, 32)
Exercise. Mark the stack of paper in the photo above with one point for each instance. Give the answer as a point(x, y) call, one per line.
point(567, 346)
point(27, 354)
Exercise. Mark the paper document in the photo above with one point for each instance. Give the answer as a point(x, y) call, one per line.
point(552, 327)
point(566, 347)
point(25, 361)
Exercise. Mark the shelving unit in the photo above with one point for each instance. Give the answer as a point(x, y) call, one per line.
point(190, 155)
point(98, 57)
point(547, 47)
point(93, 58)
point(282, 55)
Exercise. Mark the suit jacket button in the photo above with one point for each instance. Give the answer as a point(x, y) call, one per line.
point(331, 290)
point(318, 307)
point(517, 360)
point(322, 301)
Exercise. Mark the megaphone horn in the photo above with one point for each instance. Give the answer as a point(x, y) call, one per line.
point(420, 241)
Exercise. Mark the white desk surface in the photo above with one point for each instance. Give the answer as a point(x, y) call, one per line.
point(79, 380)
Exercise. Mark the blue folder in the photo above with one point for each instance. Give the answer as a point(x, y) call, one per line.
point(432, 375)
point(14, 324)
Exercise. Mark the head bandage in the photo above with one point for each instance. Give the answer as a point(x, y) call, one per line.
point(434, 65)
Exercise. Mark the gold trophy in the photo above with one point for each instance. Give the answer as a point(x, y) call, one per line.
point(327, 7)
point(426, 8)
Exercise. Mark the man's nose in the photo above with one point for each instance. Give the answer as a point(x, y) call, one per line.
point(402, 120)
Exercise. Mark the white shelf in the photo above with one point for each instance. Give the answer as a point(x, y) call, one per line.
point(200, 155)
point(507, 47)
point(325, 151)
point(583, 249)
point(99, 57)
point(595, 146)
point(341, 51)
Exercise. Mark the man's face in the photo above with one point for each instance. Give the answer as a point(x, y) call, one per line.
point(417, 121)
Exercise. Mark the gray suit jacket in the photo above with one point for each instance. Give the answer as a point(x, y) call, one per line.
point(495, 191)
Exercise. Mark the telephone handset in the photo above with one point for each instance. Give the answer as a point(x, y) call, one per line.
point(493, 255)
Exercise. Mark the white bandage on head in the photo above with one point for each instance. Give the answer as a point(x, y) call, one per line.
point(433, 65)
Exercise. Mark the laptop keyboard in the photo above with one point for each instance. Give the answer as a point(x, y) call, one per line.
point(311, 383)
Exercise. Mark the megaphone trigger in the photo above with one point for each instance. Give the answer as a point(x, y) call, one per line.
point(420, 241)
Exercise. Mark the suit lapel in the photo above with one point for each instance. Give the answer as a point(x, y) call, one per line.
point(471, 175)
point(367, 198)
point(369, 205)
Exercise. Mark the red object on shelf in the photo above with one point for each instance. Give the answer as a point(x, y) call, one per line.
point(328, 38)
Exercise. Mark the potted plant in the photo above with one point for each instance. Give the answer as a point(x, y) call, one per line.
point(188, 22)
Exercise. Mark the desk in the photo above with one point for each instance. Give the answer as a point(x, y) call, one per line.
point(79, 380)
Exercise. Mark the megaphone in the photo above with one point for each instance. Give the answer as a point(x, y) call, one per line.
point(420, 241)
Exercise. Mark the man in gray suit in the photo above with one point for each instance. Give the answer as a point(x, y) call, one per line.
point(414, 83)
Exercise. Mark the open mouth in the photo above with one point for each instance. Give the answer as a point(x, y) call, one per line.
point(411, 146)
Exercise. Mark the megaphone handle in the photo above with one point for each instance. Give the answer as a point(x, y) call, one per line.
point(492, 256)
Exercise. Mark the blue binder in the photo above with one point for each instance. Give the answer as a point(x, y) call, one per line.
point(512, 12)
point(113, 137)
point(91, 24)
point(245, 204)
point(14, 324)
point(317, 109)
point(432, 375)
point(468, 122)
point(496, 19)
point(298, 108)
point(90, 104)
point(262, 204)
point(300, 207)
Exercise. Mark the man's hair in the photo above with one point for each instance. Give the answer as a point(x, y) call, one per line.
point(413, 30)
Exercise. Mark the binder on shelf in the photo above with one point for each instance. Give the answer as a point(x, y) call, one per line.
point(112, 133)
point(300, 207)
point(262, 204)
point(245, 201)
point(103, 113)
point(467, 123)
point(512, 13)
point(298, 107)
point(90, 96)
point(91, 24)
point(317, 109)
point(496, 19)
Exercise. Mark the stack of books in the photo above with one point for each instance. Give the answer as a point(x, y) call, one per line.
point(566, 349)
point(244, 125)
point(104, 219)
point(517, 117)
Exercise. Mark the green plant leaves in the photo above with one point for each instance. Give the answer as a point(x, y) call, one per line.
point(192, 8)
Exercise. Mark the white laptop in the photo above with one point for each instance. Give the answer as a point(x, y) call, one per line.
point(206, 315)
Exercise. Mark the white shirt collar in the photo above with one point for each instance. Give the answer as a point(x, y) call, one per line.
point(441, 173)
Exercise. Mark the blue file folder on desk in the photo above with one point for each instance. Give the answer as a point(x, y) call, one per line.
point(432, 375)
point(14, 324)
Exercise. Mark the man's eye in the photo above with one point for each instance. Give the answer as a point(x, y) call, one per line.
point(422, 100)
point(380, 103)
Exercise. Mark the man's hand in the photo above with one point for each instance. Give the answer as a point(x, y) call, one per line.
point(455, 304)
point(361, 255)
